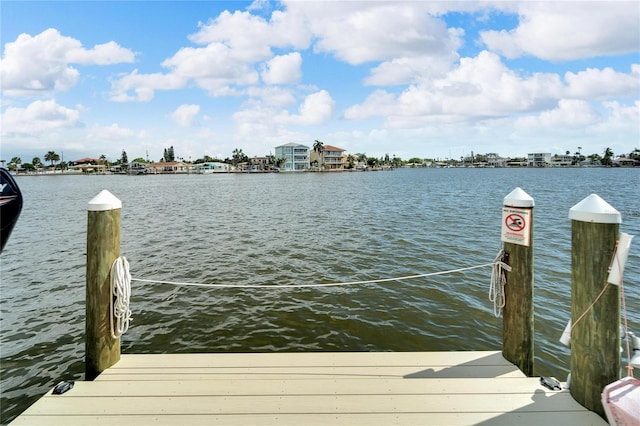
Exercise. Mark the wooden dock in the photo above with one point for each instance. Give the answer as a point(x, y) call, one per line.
point(345, 388)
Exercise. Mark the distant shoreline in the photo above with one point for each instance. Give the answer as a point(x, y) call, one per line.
point(73, 173)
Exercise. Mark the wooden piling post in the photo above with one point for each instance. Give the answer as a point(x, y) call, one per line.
point(103, 248)
point(517, 314)
point(595, 336)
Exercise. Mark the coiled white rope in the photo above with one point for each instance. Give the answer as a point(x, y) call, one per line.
point(120, 294)
point(351, 283)
point(498, 281)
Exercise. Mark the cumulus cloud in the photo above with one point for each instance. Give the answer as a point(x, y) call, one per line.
point(406, 70)
point(141, 87)
point(232, 44)
point(251, 37)
point(358, 32)
point(604, 83)
point(569, 113)
point(185, 114)
point(478, 87)
point(38, 117)
point(316, 108)
point(283, 69)
point(560, 31)
point(41, 64)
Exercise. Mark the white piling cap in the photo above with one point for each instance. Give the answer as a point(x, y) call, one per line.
point(104, 201)
point(518, 198)
point(594, 209)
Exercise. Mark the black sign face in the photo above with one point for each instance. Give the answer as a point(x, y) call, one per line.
point(10, 205)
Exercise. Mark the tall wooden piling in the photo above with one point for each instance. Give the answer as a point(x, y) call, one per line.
point(595, 310)
point(103, 248)
point(517, 314)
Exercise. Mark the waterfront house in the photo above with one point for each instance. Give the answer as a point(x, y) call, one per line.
point(167, 167)
point(561, 160)
point(331, 157)
point(211, 167)
point(495, 160)
point(539, 159)
point(625, 162)
point(87, 165)
point(259, 163)
point(296, 156)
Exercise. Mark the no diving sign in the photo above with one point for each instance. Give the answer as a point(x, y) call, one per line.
point(516, 226)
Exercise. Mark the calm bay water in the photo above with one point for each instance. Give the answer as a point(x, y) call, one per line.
point(293, 229)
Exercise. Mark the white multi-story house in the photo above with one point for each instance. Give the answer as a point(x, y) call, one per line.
point(296, 156)
point(539, 159)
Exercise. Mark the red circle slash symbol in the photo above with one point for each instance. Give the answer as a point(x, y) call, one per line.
point(515, 222)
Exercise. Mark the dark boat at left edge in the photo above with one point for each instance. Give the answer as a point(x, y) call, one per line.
point(10, 205)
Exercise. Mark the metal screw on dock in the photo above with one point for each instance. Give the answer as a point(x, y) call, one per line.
point(103, 248)
point(517, 314)
point(595, 336)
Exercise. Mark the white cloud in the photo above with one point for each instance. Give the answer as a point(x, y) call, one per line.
point(211, 67)
point(359, 32)
point(567, 30)
point(36, 65)
point(478, 87)
point(185, 114)
point(568, 114)
point(232, 46)
point(283, 69)
point(316, 108)
point(102, 54)
point(142, 87)
point(272, 95)
point(38, 117)
point(607, 83)
point(410, 69)
point(112, 132)
point(379, 103)
point(251, 37)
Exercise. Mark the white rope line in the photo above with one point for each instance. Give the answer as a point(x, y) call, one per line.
point(120, 293)
point(351, 283)
point(498, 281)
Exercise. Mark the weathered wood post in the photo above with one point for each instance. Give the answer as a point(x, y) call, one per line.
point(103, 248)
point(595, 334)
point(517, 314)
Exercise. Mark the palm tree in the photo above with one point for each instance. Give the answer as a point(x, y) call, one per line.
point(15, 163)
point(608, 156)
point(318, 147)
point(351, 160)
point(37, 163)
point(51, 156)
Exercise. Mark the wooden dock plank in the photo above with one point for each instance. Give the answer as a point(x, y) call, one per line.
point(581, 418)
point(301, 404)
point(311, 359)
point(311, 388)
point(323, 386)
point(304, 373)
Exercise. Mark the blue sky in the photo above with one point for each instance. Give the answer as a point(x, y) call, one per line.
point(411, 79)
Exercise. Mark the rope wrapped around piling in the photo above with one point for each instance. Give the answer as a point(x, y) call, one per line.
point(121, 293)
point(498, 281)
